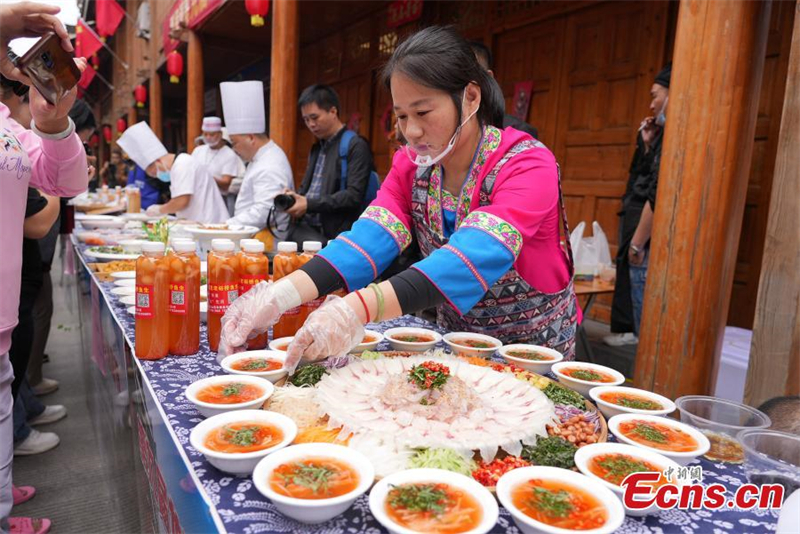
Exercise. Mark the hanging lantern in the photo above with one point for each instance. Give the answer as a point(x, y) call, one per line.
point(258, 9)
point(140, 95)
point(174, 66)
point(121, 125)
point(94, 140)
point(107, 133)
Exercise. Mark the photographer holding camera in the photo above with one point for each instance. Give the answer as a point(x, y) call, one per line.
point(327, 205)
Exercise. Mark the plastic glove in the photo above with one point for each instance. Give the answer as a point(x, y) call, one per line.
point(332, 330)
point(249, 316)
point(153, 210)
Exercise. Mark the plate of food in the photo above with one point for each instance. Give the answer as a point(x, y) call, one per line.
point(94, 222)
point(109, 253)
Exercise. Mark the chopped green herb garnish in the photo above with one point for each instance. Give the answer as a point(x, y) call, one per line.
point(650, 433)
point(638, 404)
point(419, 498)
point(552, 503)
point(561, 395)
point(554, 451)
point(255, 365)
point(308, 375)
point(314, 477)
point(232, 389)
point(243, 437)
point(618, 467)
point(585, 374)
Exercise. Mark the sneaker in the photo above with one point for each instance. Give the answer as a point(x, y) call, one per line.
point(28, 525)
point(618, 340)
point(51, 414)
point(47, 385)
point(37, 443)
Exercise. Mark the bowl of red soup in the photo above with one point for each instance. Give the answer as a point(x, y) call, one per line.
point(412, 339)
point(616, 400)
point(583, 376)
point(610, 463)
point(534, 358)
point(219, 394)
point(234, 442)
point(677, 441)
point(281, 344)
point(432, 501)
point(469, 344)
point(314, 482)
point(551, 500)
point(262, 363)
point(368, 342)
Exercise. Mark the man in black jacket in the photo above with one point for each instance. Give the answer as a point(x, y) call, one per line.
point(322, 208)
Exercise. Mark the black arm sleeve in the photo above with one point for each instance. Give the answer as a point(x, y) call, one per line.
point(359, 167)
point(415, 292)
point(323, 275)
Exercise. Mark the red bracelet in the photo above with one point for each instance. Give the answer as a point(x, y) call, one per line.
point(364, 302)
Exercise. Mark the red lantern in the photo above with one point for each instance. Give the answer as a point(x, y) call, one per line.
point(121, 125)
point(94, 140)
point(107, 133)
point(174, 66)
point(258, 9)
point(140, 94)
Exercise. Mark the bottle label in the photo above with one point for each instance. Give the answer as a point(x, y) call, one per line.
point(220, 296)
point(247, 282)
point(177, 299)
point(144, 302)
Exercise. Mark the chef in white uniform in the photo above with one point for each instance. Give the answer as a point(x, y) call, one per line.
point(268, 171)
point(195, 195)
point(221, 161)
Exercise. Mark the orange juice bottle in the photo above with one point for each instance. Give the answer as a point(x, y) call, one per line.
point(286, 262)
point(253, 269)
point(184, 298)
point(223, 285)
point(152, 303)
point(310, 249)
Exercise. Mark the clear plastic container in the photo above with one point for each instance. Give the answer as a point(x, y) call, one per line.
point(152, 303)
point(771, 457)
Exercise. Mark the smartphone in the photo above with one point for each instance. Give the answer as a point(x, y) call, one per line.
point(51, 69)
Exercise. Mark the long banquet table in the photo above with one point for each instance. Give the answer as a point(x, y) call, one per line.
point(148, 420)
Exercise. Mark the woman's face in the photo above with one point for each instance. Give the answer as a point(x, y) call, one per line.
point(427, 117)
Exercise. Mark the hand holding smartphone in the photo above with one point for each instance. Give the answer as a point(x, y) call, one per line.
point(50, 68)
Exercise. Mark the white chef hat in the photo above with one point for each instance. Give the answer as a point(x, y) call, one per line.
point(141, 144)
point(243, 107)
point(212, 124)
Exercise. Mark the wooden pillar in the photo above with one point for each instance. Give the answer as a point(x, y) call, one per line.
point(774, 368)
point(283, 91)
point(132, 118)
point(717, 68)
point(155, 103)
point(194, 90)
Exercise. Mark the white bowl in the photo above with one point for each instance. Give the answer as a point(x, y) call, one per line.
point(535, 366)
point(125, 282)
point(209, 409)
point(94, 222)
point(240, 463)
point(453, 338)
point(371, 345)
point(204, 236)
point(124, 275)
point(409, 346)
point(124, 291)
point(275, 344)
point(313, 511)
point(528, 525)
point(272, 376)
point(610, 410)
point(131, 246)
point(681, 458)
point(584, 386)
point(128, 300)
point(203, 311)
point(377, 497)
point(586, 453)
point(132, 310)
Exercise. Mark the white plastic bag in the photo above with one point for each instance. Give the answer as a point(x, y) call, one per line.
point(591, 254)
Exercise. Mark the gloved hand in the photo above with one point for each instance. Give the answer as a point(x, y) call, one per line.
point(332, 330)
point(249, 316)
point(153, 210)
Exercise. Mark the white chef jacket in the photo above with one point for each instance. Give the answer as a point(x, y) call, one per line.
point(267, 175)
point(221, 161)
point(189, 178)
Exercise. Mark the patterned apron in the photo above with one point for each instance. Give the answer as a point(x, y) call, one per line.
point(511, 310)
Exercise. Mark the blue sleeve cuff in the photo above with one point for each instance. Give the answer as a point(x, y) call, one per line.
point(465, 268)
point(361, 254)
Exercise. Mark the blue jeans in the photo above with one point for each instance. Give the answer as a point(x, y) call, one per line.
point(638, 278)
point(26, 407)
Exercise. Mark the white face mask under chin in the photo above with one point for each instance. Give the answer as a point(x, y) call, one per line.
point(429, 161)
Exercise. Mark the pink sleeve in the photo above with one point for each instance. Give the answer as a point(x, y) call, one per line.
point(58, 168)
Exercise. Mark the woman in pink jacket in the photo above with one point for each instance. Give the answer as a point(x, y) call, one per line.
point(50, 157)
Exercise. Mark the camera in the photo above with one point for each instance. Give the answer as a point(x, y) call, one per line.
point(284, 202)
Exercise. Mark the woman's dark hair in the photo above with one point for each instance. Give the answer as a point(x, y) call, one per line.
point(439, 58)
point(81, 114)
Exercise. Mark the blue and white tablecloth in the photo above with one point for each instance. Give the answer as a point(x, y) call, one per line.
point(243, 510)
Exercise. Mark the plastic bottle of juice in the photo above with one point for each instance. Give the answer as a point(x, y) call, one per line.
point(286, 262)
point(253, 269)
point(152, 302)
point(184, 298)
point(310, 249)
point(223, 285)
